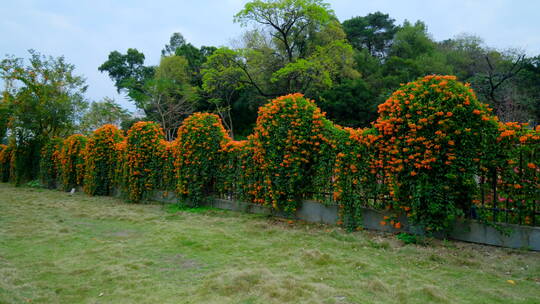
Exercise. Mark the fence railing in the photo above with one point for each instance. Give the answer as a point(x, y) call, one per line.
point(491, 203)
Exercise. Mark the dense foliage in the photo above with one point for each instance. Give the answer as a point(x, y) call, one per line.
point(5, 160)
point(50, 162)
point(198, 155)
point(101, 160)
point(349, 67)
point(42, 99)
point(434, 154)
point(285, 145)
point(143, 165)
point(71, 160)
point(433, 134)
point(290, 46)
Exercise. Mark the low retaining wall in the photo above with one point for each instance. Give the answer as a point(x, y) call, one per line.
point(522, 237)
point(526, 237)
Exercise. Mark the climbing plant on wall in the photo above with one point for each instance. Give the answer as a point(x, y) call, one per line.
point(101, 160)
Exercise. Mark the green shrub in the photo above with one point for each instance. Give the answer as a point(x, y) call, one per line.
point(49, 162)
point(432, 135)
point(101, 158)
point(198, 154)
point(143, 162)
point(71, 161)
point(5, 161)
point(288, 137)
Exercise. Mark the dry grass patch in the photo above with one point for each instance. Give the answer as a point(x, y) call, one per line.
point(57, 248)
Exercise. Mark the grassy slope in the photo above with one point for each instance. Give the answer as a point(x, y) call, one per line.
point(56, 248)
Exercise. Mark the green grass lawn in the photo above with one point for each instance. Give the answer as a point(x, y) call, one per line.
point(57, 248)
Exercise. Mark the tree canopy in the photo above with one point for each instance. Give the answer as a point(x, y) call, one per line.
point(300, 46)
point(43, 98)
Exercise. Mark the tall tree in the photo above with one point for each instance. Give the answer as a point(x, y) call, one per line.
point(294, 46)
point(373, 32)
point(413, 54)
point(195, 57)
point(166, 93)
point(298, 47)
point(175, 42)
point(129, 73)
point(412, 40)
point(172, 97)
point(44, 98)
point(501, 69)
point(224, 76)
point(529, 80)
point(288, 21)
point(4, 120)
point(465, 53)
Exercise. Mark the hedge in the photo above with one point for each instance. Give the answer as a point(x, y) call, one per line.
point(50, 162)
point(71, 161)
point(102, 160)
point(434, 154)
point(5, 160)
point(141, 166)
point(198, 154)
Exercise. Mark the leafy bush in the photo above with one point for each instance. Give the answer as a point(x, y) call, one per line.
point(71, 159)
point(101, 160)
point(25, 161)
point(35, 184)
point(285, 146)
point(143, 163)
point(50, 162)
point(433, 133)
point(198, 154)
point(168, 173)
point(5, 161)
point(408, 238)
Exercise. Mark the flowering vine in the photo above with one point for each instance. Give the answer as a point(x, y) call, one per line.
point(143, 164)
point(49, 162)
point(101, 160)
point(71, 161)
point(432, 135)
point(434, 153)
point(5, 158)
point(285, 145)
point(197, 153)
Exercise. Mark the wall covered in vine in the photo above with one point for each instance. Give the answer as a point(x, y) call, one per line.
point(434, 154)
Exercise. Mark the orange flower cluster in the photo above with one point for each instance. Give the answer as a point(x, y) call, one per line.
point(197, 153)
point(142, 164)
point(5, 159)
point(289, 135)
point(430, 132)
point(49, 162)
point(71, 161)
point(101, 160)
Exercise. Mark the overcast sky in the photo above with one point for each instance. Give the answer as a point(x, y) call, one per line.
point(86, 31)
